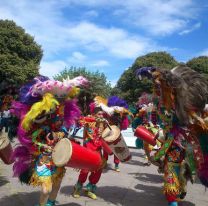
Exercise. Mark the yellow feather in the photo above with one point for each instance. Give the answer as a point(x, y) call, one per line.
point(47, 104)
point(73, 92)
point(99, 99)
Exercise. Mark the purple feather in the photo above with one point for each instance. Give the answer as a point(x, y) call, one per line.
point(19, 109)
point(23, 137)
point(116, 101)
point(22, 158)
point(25, 91)
point(71, 113)
point(21, 151)
point(19, 167)
point(145, 72)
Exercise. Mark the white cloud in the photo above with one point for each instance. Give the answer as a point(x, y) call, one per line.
point(77, 59)
point(116, 41)
point(100, 63)
point(113, 82)
point(45, 21)
point(204, 52)
point(194, 27)
point(42, 20)
point(57, 33)
point(51, 68)
point(87, 43)
point(161, 17)
point(157, 17)
point(92, 13)
point(78, 56)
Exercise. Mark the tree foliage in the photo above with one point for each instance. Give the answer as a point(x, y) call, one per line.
point(129, 87)
point(98, 85)
point(20, 55)
point(199, 64)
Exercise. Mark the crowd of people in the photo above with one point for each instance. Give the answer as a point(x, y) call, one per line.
point(171, 126)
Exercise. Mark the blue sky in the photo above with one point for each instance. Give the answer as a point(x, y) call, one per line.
point(108, 35)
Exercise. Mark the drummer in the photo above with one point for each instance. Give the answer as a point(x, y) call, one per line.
point(147, 117)
point(118, 118)
point(93, 128)
point(41, 127)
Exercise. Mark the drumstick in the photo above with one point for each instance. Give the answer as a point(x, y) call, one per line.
point(106, 121)
point(108, 125)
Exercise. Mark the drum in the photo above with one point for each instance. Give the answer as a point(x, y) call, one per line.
point(69, 154)
point(106, 147)
point(144, 134)
point(6, 151)
point(116, 142)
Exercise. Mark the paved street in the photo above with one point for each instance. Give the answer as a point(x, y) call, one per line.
point(136, 184)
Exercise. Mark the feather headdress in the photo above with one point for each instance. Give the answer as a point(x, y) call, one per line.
point(38, 99)
point(57, 88)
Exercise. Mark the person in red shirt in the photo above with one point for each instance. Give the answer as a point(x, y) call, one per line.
point(93, 128)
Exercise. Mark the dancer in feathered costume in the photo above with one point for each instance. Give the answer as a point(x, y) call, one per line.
point(93, 127)
point(45, 109)
point(180, 99)
point(118, 118)
point(147, 117)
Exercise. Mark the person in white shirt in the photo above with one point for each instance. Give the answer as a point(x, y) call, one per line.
point(5, 119)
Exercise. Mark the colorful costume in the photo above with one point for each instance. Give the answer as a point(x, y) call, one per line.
point(46, 109)
point(147, 117)
point(118, 118)
point(180, 99)
point(93, 128)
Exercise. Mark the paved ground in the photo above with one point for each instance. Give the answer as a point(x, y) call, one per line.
point(136, 184)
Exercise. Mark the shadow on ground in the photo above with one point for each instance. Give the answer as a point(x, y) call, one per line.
point(145, 195)
point(135, 162)
point(108, 168)
point(20, 199)
point(138, 154)
point(27, 199)
point(67, 190)
point(154, 194)
point(150, 178)
point(186, 203)
point(131, 197)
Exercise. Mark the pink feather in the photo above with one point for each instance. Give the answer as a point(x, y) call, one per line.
point(124, 123)
point(71, 113)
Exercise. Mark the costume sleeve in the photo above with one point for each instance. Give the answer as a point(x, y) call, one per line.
point(164, 148)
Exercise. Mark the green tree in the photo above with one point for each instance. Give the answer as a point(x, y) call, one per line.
point(199, 64)
point(20, 55)
point(129, 87)
point(98, 85)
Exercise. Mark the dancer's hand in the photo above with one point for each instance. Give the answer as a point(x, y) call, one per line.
point(48, 148)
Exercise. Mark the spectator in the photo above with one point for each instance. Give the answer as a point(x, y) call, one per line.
point(5, 119)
